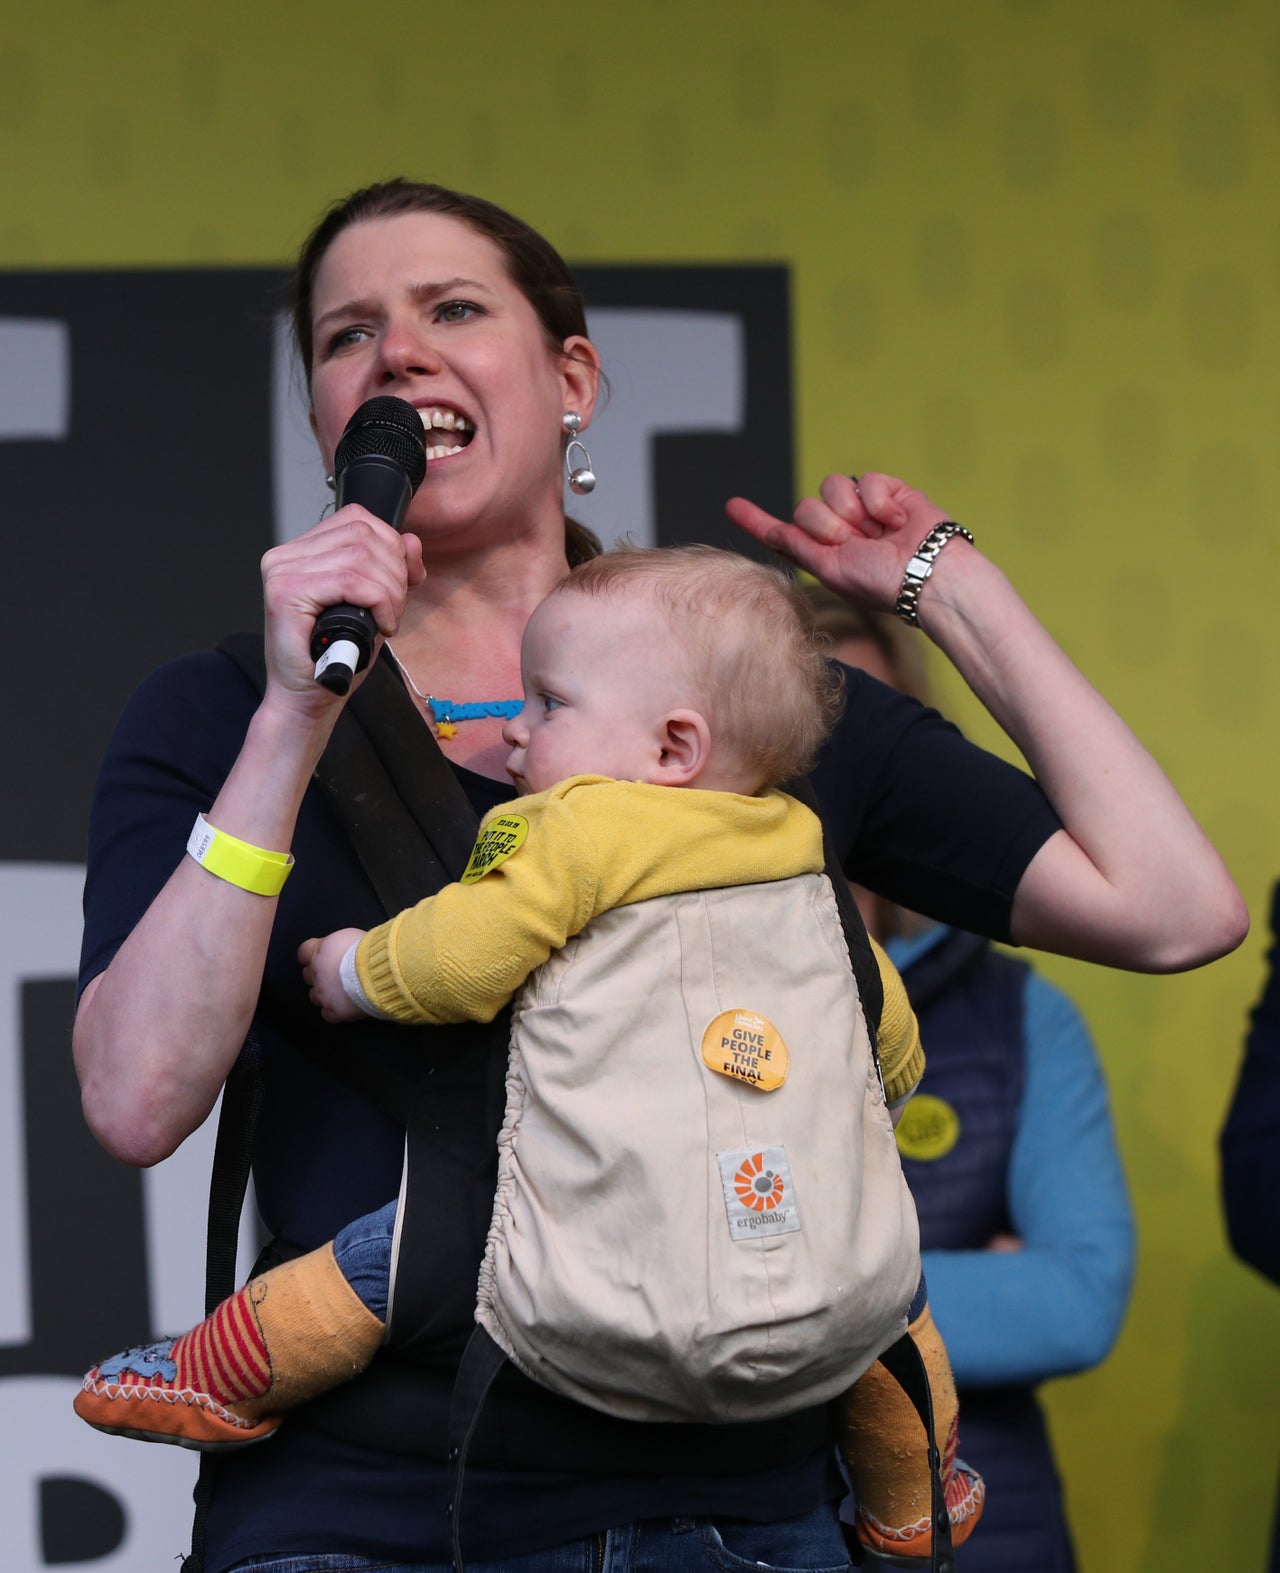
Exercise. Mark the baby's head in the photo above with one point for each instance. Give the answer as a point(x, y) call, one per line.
point(682, 666)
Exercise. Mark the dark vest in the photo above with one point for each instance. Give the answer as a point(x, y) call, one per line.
point(969, 1002)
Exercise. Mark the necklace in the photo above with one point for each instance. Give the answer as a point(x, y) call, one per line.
point(448, 712)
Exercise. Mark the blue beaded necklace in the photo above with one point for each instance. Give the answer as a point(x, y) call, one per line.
point(448, 712)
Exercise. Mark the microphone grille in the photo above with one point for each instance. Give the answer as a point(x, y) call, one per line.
point(392, 429)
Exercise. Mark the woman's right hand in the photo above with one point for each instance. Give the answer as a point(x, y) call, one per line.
point(157, 1032)
point(350, 557)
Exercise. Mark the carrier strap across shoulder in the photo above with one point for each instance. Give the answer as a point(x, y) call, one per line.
point(399, 801)
point(866, 969)
point(905, 1364)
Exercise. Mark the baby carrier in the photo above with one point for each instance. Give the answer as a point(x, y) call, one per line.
point(700, 1211)
point(756, 1336)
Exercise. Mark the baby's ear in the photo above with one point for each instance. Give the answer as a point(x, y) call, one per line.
point(685, 749)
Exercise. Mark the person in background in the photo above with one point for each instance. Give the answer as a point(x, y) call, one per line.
point(1250, 1146)
point(1026, 1230)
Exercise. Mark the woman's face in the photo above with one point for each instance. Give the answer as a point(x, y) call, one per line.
point(421, 306)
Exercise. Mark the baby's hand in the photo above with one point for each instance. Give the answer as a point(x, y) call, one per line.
point(322, 970)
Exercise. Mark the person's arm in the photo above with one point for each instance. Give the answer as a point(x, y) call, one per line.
point(1131, 880)
point(898, 1045)
point(1055, 1304)
point(461, 954)
point(157, 1031)
point(554, 861)
point(1250, 1141)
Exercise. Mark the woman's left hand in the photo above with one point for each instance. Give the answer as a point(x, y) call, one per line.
point(1131, 880)
point(856, 536)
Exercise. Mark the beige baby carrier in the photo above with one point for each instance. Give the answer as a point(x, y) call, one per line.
point(700, 1213)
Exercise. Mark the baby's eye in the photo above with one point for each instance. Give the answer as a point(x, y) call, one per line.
point(549, 704)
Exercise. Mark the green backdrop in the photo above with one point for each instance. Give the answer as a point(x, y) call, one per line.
point(1035, 256)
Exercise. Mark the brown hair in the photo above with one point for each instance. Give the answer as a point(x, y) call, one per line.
point(772, 697)
point(535, 266)
point(838, 620)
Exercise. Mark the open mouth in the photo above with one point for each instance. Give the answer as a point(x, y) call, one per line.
point(445, 431)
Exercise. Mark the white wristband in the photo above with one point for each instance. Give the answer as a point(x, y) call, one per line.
point(354, 992)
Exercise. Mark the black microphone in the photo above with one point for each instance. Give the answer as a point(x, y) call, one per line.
point(379, 463)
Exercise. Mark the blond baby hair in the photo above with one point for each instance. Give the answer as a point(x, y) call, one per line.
point(754, 664)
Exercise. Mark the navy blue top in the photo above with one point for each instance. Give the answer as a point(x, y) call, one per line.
point(1251, 1146)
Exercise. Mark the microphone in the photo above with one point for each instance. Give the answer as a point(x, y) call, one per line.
point(379, 463)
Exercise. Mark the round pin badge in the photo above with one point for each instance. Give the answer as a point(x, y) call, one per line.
point(928, 1128)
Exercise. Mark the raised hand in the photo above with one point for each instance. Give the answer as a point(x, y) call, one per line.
point(856, 536)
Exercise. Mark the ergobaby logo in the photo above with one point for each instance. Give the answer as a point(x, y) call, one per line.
point(495, 844)
point(758, 1193)
point(757, 1186)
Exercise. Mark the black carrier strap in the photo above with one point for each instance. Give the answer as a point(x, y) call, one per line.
point(866, 969)
point(228, 1180)
point(481, 1364)
point(410, 823)
point(903, 1362)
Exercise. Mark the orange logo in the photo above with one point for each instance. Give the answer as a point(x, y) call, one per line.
point(758, 1187)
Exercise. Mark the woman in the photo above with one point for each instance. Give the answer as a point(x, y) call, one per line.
point(453, 305)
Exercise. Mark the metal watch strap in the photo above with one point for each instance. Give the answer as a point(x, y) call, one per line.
point(921, 566)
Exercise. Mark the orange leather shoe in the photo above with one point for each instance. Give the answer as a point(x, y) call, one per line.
point(909, 1544)
point(136, 1394)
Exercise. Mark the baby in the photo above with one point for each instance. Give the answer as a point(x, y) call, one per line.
point(644, 671)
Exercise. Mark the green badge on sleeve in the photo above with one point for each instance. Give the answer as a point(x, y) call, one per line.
point(496, 843)
point(928, 1129)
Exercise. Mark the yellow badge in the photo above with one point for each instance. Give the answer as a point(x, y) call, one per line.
point(745, 1047)
point(928, 1129)
point(497, 841)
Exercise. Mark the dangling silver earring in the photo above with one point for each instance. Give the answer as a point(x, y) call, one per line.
point(331, 483)
point(583, 479)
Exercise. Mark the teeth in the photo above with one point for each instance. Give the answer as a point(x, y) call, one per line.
point(439, 419)
point(441, 452)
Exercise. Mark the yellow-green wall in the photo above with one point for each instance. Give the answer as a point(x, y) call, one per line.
point(1035, 250)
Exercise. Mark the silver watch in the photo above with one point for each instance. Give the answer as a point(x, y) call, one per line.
point(921, 566)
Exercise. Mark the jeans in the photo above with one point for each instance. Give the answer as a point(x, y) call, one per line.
point(811, 1543)
point(363, 1252)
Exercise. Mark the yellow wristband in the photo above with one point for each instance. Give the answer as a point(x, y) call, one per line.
point(239, 863)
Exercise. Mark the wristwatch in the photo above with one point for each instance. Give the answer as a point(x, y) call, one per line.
point(921, 566)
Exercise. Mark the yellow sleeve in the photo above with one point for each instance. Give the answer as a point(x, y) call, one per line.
point(461, 954)
point(901, 1052)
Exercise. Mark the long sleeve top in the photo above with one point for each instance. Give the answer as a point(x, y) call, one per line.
point(545, 865)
